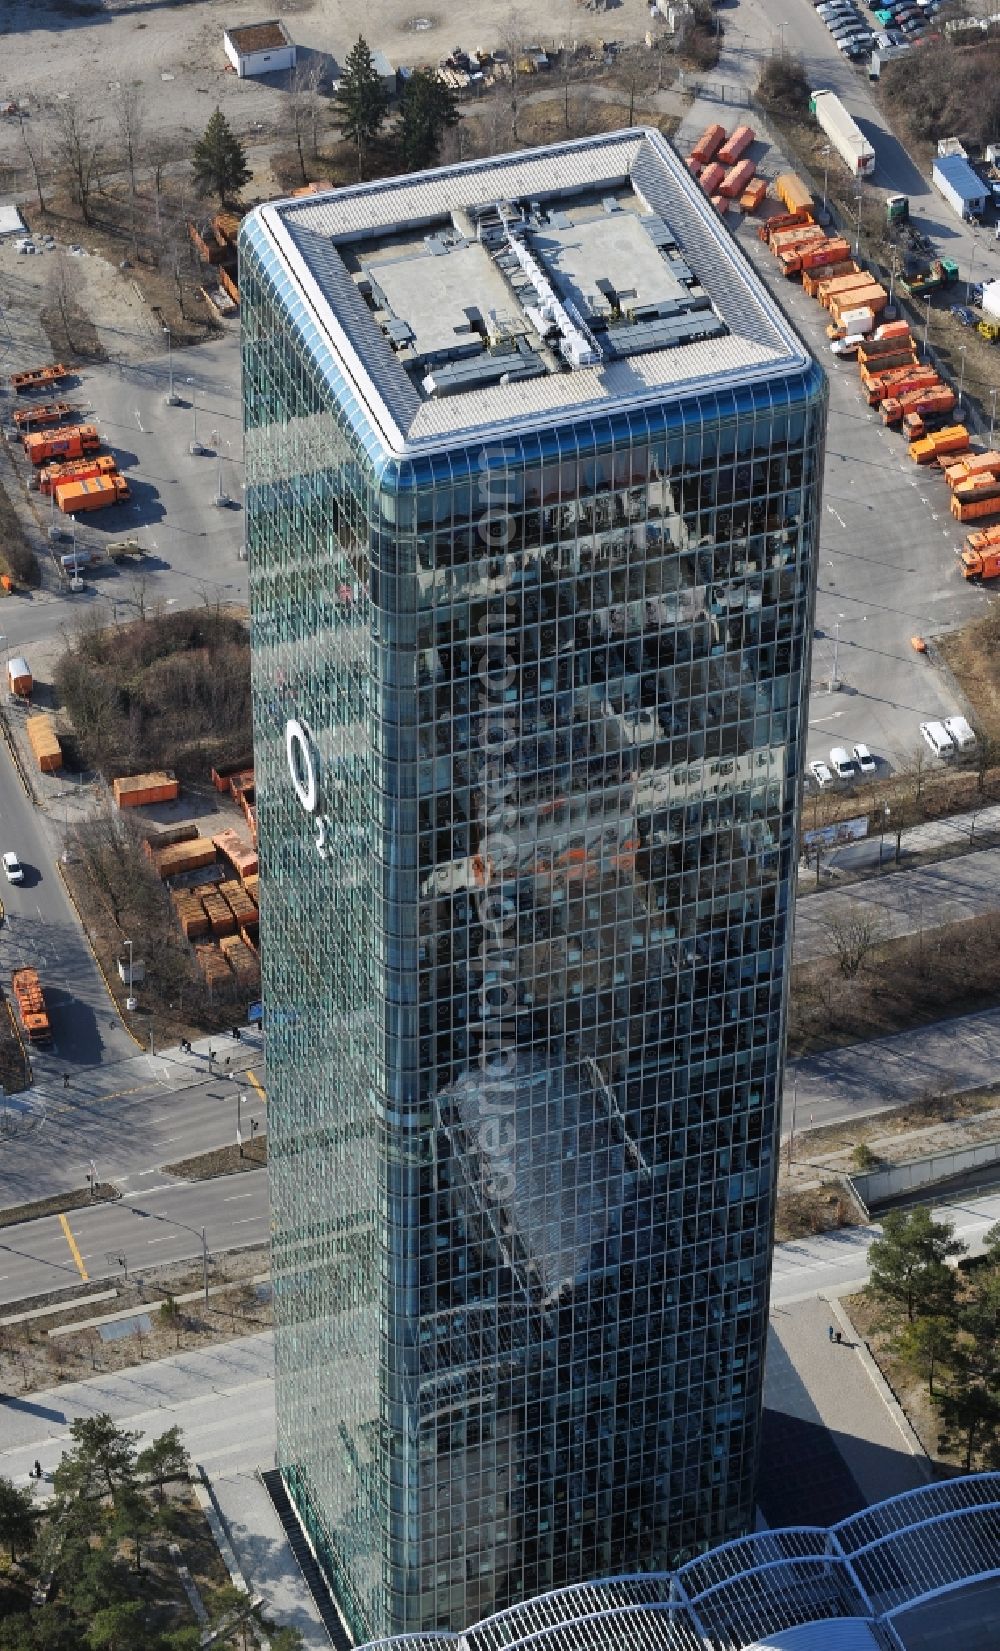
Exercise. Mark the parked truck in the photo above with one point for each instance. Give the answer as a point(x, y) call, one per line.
point(928, 278)
point(30, 1000)
point(76, 470)
point(41, 414)
point(95, 494)
point(68, 441)
point(38, 378)
point(981, 556)
point(844, 133)
point(19, 678)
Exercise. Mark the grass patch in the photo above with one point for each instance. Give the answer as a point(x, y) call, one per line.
point(17, 559)
point(58, 1204)
point(913, 981)
point(222, 1161)
point(815, 1210)
point(973, 657)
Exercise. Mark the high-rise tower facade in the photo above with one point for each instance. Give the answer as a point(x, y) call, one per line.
point(533, 469)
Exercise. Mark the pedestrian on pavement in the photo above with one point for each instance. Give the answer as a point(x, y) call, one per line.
point(65, 1080)
point(38, 1469)
point(829, 1331)
point(839, 1337)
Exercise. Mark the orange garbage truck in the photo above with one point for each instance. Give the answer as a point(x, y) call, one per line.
point(67, 441)
point(31, 1009)
point(981, 556)
point(76, 470)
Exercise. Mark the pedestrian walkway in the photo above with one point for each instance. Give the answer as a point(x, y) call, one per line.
point(976, 827)
point(902, 903)
point(834, 1438)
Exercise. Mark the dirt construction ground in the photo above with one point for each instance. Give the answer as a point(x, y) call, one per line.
point(58, 47)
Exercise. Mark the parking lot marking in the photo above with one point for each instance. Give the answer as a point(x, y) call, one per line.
point(74, 1249)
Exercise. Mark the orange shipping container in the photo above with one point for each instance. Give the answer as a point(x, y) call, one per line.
point(181, 857)
point(752, 196)
point(792, 191)
point(826, 252)
point(711, 139)
point(974, 510)
point(711, 178)
point(241, 857)
point(31, 1007)
point(813, 279)
point(133, 790)
point(736, 179)
point(44, 743)
point(736, 146)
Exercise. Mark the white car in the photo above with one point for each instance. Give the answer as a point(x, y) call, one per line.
point(821, 774)
point(936, 736)
point(864, 759)
point(961, 732)
point(13, 869)
point(842, 763)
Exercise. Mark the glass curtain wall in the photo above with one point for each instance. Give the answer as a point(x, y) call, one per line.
point(524, 968)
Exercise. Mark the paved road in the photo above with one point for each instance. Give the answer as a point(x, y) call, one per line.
point(902, 902)
point(157, 1223)
point(41, 928)
point(861, 1079)
point(833, 1263)
point(131, 1116)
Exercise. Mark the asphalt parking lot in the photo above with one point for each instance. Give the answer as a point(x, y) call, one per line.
point(193, 546)
point(888, 562)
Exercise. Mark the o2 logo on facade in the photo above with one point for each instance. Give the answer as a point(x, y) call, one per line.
point(304, 769)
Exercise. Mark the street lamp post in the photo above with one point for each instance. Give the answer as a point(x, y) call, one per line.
point(170, 398)
point(859, 197)
point(240, 1098)
point(961, 377)
point(893, 272)
point(826, 173)
point(927, 326)
point(972, 265)
point(795, 1097)
point(884, 816)
point(194, 446)
point(834, 680)
point(130, 1001)
point(993, 413)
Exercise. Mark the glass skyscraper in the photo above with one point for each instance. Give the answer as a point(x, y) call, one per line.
point(533, 468)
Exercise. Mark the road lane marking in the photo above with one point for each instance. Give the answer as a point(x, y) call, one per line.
point(235, 1197)
point(253, 1078)
point(247, 1220)
point(74, 1249)
point(160, 1240)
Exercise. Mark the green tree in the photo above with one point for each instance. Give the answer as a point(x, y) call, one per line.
point(118, 1628)
point(219, 161)
point(991, 1245)
point(427, 109)
point(970, 1419)
point(926, 1344)
point(90, 1577)
point(909, 1263)
point(172, 1318)
point(101, 1461)
point(19, 1518)
point(362, 102)
point(166, 1458)
point(134, 1520)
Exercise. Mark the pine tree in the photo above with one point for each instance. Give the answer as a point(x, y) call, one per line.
point(362, 101)
point(219, 161)
point(427, 109)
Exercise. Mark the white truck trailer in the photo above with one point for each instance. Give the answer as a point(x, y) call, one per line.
point(846, 137)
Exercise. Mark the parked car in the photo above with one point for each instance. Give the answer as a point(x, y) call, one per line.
point(961, 732)
point(937, 738)
point(821, 774)
point(13, 869)
point(842, 763)
point(864, 759)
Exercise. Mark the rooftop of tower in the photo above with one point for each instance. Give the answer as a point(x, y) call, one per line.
point(530, 287)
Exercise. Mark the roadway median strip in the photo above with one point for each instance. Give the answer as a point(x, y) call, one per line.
point(74, 1248)
point(60, 1202)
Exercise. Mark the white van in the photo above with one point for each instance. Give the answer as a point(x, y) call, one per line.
point(961, 732)
point(937, 737)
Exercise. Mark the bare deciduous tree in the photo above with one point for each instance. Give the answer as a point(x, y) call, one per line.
point(34, 147)
point(129, 113)
point(77, 149)
point(303, 110)
point(855, 937)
